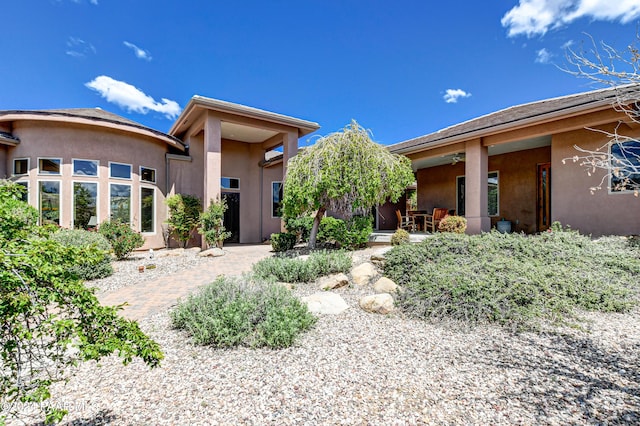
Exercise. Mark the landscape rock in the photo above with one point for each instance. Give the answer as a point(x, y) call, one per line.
point(326, 303)
point(288, 286)
point(304, 257)
point(333, 281)
point(385, 285)
point(169, 253)
point(212, 252)
point(377, 303)
point(363, 273)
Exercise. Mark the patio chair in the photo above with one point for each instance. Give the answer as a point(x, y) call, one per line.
point(405, 222)
point(433, 220)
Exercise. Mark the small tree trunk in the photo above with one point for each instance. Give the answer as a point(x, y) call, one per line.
point(315, 227)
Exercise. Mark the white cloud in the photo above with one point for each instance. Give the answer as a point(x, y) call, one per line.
point(452, 95)
point(568, 44)
point(79, 48)
point(543, 56)
point(536, 17)
point(131, 98)
point(94, 2)
point(140, 53)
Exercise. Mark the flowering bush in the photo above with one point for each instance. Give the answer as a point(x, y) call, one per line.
point(122, 238)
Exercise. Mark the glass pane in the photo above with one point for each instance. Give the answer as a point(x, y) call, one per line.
point(148, 175)
point(85, 168)
point(229, 183)
point(120, 202)
point(146, 210)
point(49, 166)
point(625, 166)
point(85, 197)
point(49, 203)
point(276, 203)
point(122, 171)
point(25, 194)
point(461, 195)
point(21, 166)
point(492, 192)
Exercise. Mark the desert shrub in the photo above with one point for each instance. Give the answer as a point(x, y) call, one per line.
point(357, 232)
point(300, 226)
point(239, 311)
point(455, 224)
point(212, 223)
point(283, 241)
point(122, 238)
point(292, 270)
point(84, 239)
point(184, 216)
point(512, 279)
point(634, 241)
point(400, 237)
point(353, 233)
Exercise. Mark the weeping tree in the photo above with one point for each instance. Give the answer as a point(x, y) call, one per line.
point(346, 173)
point(619, 157)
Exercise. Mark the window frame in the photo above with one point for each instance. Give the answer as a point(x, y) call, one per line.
point(73, 168)
point(110, 213)
point(26, 184)
point(611, 191)
point(272, 197)
point(13, 172)
point(154, 212)
point(121, 164)
point(148, 181)
point(60, 203)
point(497, 214)
point(226, 188)
point(41, 173)
point(73, 201)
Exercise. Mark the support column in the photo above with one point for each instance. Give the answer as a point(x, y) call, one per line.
point(290, 149)
point(476, 187)
point(212, 158)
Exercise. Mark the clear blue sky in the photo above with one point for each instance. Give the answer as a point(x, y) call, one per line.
point(386, 64)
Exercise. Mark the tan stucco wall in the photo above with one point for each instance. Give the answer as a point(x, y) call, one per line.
point(66, 141)
point(4, 171)
point(602, 213)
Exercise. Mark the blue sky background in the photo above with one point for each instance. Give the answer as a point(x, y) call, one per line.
point(386, 64)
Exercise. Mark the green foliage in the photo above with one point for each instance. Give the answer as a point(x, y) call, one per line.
point(512, 279)
point(238, 311)
point(455, 224)
point(400, 237)
point(353, 233)
point(184, 216)
point(282, 241)
point(301, 226)
point(344, 172)
point(48, 319)
point(122, 238)
point(212, 223)
point(84, 269)
point(291, 270)
point(18, 218)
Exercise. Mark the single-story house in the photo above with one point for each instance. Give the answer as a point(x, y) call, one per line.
point(517, 164)
point(84, 166)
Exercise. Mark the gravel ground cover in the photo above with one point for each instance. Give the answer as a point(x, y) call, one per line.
point(368, 369)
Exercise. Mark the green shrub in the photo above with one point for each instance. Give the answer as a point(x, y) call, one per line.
point(350, 234)
point(122, 238)
point(212, 223)
point(184, 216)
point(290, 270)
point(85, 269)
point(455, 224)
point(400, 237)
point(283, 241)
point(512, 279)
point(300, 226)
point(238, 311)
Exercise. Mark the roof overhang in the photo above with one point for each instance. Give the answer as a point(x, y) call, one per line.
point(8, 139)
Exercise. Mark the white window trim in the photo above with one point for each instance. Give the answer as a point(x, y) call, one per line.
point(73, 201)
point(230, 189)
point(610, 186)
point(60, 210)
point(73, 172)
point(130, 202)
point(155, 216)
point(121, 164)
point(28, 166)
point(271, 203)
point(155, 174)
point(497, 172)
point(40, 173)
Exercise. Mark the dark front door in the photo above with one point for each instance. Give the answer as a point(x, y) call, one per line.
point(544, 197)
point(232, 216)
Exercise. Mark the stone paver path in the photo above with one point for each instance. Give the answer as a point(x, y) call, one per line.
point(150, 297)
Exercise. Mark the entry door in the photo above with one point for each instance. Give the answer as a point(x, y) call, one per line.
point(544, 197)
point(232, 216)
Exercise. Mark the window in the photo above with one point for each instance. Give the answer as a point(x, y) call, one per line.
point(20, 166)
point(276, 199)
point(119, 171)
point(85, 201)
point(85, 168)
point(229, 183)
point(120, 202)
point(49, 204)
point(25, 194)
point(147, 217)
point(493, 193)
point(49, 166)
point(147, 175)
point(625, 166)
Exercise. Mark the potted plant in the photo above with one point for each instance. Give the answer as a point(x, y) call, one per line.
point(212, 223)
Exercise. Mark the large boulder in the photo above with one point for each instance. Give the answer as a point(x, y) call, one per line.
point(363, 273)
point(212, 252)
point(333, 281)
point(377, 303)
point(385, 285)
point(325, 303)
